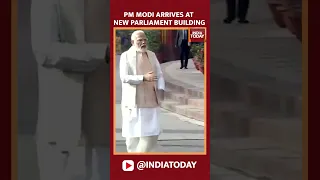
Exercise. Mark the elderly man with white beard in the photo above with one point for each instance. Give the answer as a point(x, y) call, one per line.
point(70, 43)
point(142, 90)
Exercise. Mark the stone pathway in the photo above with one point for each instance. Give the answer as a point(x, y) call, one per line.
point(259, 57)
point(184, 92)
point(190, 76)
point(178, 134)
point(259, 48)
point(255, 87)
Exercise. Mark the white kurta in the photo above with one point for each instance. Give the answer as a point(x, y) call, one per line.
point(141, 122)
point(69, 40)
point(138, 122)
point(64, 57)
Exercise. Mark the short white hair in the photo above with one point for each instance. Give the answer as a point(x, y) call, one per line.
point(135, 33)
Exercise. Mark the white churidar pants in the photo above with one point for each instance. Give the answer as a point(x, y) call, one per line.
point(140, 127)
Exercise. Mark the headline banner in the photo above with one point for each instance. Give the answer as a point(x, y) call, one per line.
point(159, 19)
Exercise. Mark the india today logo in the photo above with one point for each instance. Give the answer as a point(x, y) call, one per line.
point(127, 165)
point(197, 35)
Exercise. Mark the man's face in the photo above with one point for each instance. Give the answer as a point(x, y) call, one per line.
point(140, 42)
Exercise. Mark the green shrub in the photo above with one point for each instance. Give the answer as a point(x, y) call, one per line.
point(198, 51)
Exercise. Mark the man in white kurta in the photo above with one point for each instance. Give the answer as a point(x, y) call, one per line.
point(142, 90)
point(69, 41)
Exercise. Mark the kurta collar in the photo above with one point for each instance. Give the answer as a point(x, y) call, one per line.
point(132, 53)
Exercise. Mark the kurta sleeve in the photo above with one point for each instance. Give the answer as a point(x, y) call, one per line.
point(50, 52)
point(161, 82)
point(123, 71)
point(76, 57)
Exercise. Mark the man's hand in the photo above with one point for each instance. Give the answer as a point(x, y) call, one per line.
point(150, 76)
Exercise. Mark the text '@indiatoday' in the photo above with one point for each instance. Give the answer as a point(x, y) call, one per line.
point(129, 165)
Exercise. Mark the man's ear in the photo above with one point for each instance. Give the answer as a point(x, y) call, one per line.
point(132, 42)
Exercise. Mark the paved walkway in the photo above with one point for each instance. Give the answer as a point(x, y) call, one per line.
point(260, 51)
point(190, 76)
point(179, 134)
point(260, 55)
point(257, 53)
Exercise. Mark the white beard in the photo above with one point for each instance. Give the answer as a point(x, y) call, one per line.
point(140, 49)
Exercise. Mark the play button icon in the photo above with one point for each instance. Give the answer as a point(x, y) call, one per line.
point(127, 165)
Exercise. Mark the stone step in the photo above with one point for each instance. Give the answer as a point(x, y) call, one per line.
point(189, 111)
point(287, 132)
point(224, 88)
point(258, 96)
point(272, 96)
point(200, 103)
point(184, 99)
point(257, 157)
point(169, 105)
point(183, 88)
point(235, 119)
point(176, 96)
point(230, 119)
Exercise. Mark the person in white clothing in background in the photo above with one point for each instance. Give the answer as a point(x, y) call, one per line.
point(142, 90)
point(70, 41)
